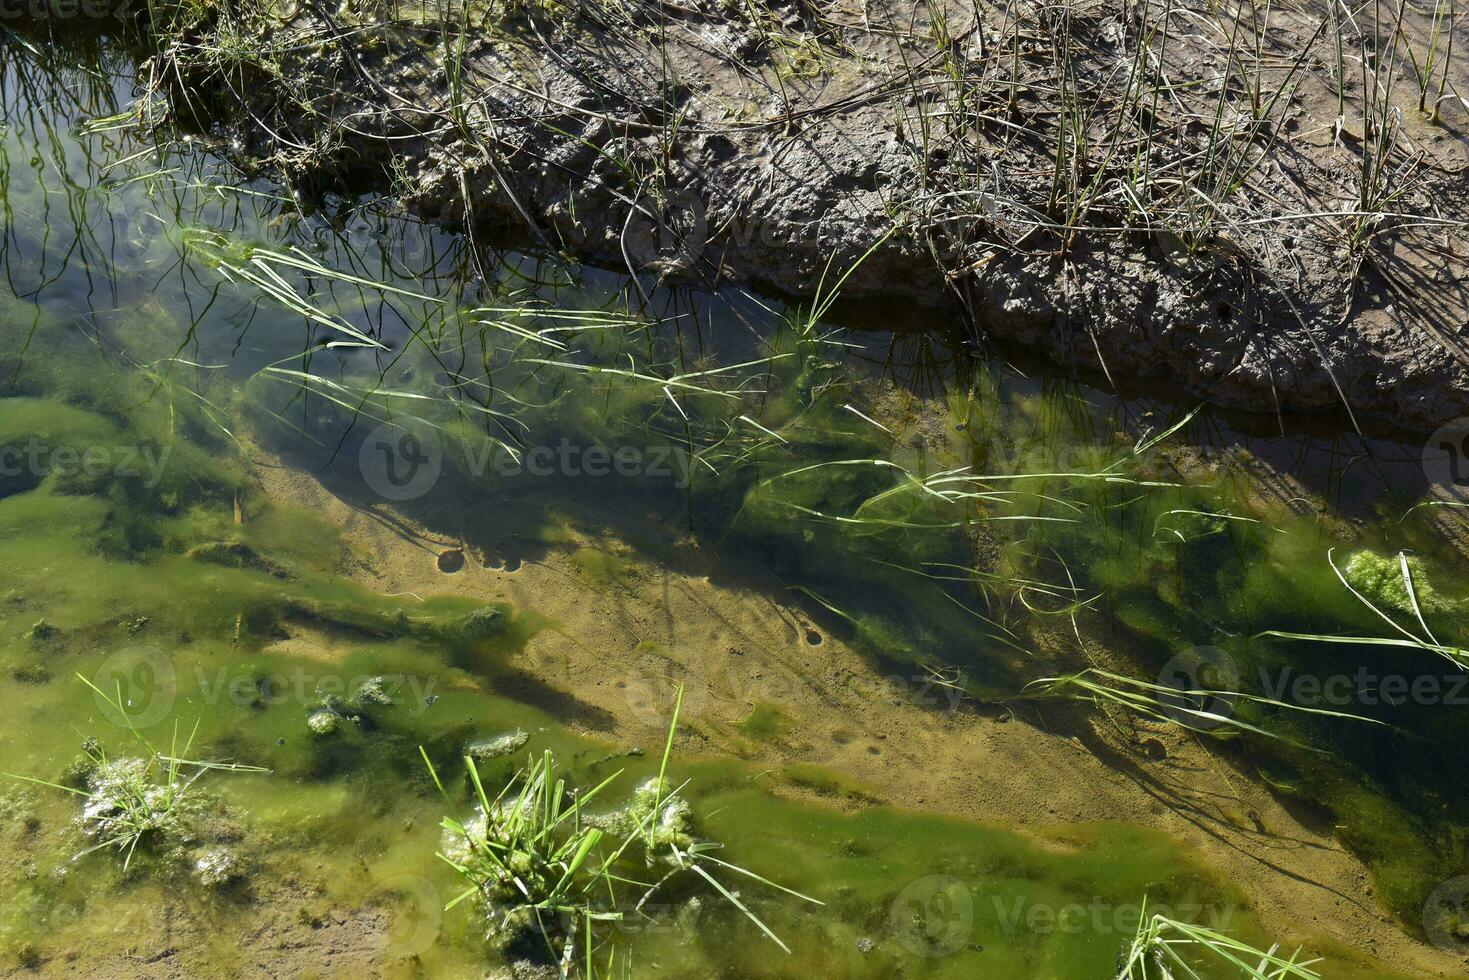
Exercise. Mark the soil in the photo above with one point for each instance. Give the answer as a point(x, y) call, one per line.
point(685, 143)
point(763, 683)
point(775, 144)
point(269, 936)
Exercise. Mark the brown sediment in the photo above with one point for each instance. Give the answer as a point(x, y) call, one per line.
point(776, 143)
point(271, 935)
point(617, 650)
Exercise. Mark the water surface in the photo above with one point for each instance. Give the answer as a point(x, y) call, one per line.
point(219, 392)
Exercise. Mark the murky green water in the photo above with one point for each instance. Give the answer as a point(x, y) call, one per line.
point(171, 327)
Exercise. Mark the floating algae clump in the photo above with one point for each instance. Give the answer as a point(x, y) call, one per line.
point(484, 749)
point(1380, 579)
point(482, 624)
point(673, 822)
point(131, 804)
point(513, 875)
point(126, 804)
point(521, 852)
point(374, 690)
point(216, 867)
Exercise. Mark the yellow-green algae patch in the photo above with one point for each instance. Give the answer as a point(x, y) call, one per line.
point(344, 816)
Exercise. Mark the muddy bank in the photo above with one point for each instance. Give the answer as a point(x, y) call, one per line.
point(238, 589)
point(1226, 198)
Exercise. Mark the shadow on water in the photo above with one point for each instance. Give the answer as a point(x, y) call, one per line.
point(977, 521)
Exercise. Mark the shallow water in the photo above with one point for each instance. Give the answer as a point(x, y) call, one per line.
point(188, 348)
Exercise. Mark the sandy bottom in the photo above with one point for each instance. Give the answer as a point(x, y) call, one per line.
point(764, 684)
point(270, 937)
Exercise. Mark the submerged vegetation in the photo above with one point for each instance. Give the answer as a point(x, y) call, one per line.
point(1162, 951)
point(1098, 181)
point(1033, 548)
point(548, 868)
point(128, 802)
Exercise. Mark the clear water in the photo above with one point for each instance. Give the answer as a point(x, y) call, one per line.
point(179, 336)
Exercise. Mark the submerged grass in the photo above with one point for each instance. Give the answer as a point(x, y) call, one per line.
point(1168, 949)
point(547, 869)
point(1407, 591)
point(131, 802)
point(905, 545)
point(1197, 708)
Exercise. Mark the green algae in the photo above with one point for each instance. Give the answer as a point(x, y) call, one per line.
point(767, 722)
point(336, 792)
point(115, 561)
point(1381, 580)
point(371, 772)
point(342, 793)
